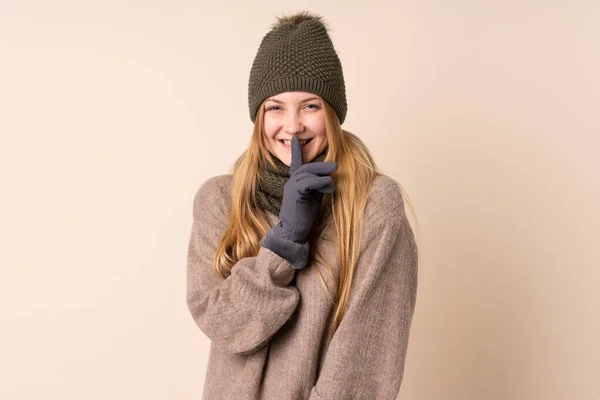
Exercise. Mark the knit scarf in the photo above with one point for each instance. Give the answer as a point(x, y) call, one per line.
point(270, 189)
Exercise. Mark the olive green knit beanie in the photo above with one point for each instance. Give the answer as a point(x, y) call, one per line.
point(297, 55)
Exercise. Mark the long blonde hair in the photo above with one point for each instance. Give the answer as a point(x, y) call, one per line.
point(248, 223)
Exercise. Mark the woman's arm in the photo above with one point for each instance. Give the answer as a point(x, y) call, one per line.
point(366, 356)
point(241, 313)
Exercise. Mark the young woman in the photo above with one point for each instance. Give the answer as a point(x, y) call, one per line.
point(302, 265)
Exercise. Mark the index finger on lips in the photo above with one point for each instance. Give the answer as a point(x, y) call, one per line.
point(297, 160)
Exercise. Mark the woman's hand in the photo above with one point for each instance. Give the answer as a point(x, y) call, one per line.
point(302, 194)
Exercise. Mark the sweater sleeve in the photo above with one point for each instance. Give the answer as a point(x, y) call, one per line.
point(366, 355)
point(241, 313)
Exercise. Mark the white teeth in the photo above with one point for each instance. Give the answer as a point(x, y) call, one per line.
point(289, 142)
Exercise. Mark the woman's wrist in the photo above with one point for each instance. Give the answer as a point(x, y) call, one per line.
point(277, 240)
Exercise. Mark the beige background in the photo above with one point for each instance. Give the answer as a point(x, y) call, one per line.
point(113, 113)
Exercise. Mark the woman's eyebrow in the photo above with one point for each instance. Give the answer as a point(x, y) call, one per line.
point(282, 102)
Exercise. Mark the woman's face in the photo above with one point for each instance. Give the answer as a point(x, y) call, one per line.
point(295, 114)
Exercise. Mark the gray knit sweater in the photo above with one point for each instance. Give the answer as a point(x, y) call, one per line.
point(270, 334)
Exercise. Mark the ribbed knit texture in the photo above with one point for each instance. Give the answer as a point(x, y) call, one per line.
point(270, 188)
point(297, 57)
point(270, 335)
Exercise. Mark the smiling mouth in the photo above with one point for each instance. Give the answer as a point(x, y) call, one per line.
point(288, 143)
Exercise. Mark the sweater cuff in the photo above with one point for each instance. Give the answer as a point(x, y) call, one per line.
point(295, 253)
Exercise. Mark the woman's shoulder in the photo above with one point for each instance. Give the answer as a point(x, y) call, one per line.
point(214, 193)
point(384, 200)
point(217, 182)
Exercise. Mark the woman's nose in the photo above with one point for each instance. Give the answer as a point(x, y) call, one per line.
point(293, 124)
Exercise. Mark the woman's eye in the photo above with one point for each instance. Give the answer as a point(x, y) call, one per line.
point(275, 108)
